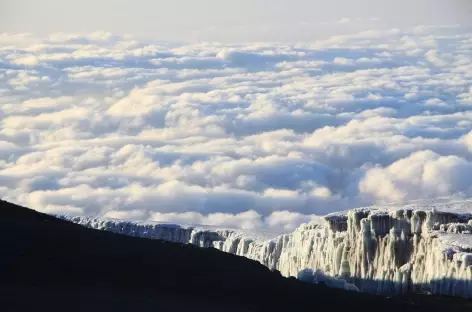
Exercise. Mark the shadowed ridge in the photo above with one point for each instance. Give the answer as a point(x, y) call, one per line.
point(52, 264)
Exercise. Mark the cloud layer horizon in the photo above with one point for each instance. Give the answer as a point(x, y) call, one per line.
point(252, 136)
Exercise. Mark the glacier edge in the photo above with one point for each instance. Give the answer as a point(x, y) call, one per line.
point(377, 250)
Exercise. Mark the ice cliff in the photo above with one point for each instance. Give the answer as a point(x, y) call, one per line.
point(377, 249)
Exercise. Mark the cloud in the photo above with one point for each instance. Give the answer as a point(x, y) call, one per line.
point(258, 136)
point(288, 221)
point(422, 174)
point(248, 220)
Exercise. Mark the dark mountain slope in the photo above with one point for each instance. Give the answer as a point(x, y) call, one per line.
point(48, 264)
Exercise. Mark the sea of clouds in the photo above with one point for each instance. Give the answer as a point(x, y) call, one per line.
point(256, 136)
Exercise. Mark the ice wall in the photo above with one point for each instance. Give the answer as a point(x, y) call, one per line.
point(377, 250)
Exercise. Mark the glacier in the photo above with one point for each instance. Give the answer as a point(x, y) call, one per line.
point(380, 249)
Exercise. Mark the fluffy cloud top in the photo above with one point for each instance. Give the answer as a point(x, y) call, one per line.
point(252, 136)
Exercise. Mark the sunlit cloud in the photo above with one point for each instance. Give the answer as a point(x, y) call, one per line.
point(252, 136)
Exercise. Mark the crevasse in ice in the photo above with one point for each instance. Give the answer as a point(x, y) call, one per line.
point(373, 250)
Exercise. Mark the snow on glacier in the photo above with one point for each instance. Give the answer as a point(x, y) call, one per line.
point(388, 249)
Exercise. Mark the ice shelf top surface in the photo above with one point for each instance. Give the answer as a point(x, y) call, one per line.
point(456, 206)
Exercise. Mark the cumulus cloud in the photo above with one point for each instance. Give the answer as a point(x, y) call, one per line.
point(259, 136)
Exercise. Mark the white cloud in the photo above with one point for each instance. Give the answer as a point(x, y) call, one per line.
point(288, 221)
point(252, 136)
point(421, 175)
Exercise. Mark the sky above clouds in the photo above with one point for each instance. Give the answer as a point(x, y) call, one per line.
point(227, 20)
point(257, 135)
